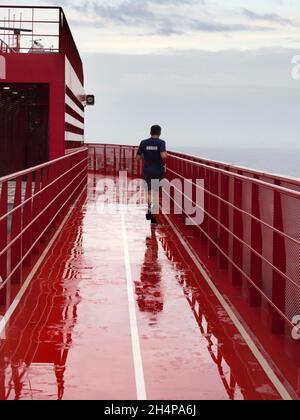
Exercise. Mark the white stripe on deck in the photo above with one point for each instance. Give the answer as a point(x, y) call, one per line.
point(136, 347)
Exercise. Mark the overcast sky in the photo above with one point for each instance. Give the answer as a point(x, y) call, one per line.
point(211, 72)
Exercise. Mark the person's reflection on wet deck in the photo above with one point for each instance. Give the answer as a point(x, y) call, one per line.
point(148, 289)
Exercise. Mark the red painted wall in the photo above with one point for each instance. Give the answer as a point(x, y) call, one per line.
point(43, 68)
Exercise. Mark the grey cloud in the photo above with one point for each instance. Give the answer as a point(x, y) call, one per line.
point(221, 27)
point(140, 14)
point(174, 2)
point(269, 17)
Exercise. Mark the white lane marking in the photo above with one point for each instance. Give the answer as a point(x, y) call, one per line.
point(136, 347)
point(254, 349)
point(15, 303)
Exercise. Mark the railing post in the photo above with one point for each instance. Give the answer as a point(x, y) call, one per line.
point(115, 162)
point(3, 239)
point(256, 244)
point(196, 176)
point(16, 227)
point(213, 211)
point(195, 188)
point(27, 217)
point(95, 160)
point(133, 162)
point(205, 177)
point(105, 161)
point(124, 159)
point(44, 198)
point(279, 261)
point(224, 219)
point(238, 230)
point(36, 209)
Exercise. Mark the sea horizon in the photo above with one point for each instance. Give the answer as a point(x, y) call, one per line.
point(276, 160)
point(279, 161)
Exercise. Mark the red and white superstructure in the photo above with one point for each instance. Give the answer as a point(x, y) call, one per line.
point(39, 55)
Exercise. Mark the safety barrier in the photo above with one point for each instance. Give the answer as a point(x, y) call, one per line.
point(283, 181)
point(109, 159)
point(251, 225)
point(30, 202)
point(4, 48)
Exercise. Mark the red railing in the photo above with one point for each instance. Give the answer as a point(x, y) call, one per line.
point(30, 202)
point(4, 48)
point(251, 225)
point(283, 181)
point(31, 29)
point(112, 158)
point(38, 29)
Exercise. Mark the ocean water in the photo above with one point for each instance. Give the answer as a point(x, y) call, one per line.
point(282, 162)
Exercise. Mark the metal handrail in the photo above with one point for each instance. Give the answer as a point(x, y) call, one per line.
point(19, 264)
point(237, 209)
point(254, 172)
point(55, 184)
point(25, 172)
point(282, 314)
point(241, 240)
point(15, 209)
point(242, 177)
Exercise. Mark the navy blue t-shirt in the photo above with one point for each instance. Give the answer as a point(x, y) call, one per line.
point(151, 150)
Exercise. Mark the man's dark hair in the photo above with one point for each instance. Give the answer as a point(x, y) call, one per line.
point(155, 130)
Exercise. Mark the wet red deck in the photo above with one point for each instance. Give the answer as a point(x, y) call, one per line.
point(73, 336)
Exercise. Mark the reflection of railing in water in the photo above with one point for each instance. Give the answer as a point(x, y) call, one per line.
point(26, 354)
point(231, 386)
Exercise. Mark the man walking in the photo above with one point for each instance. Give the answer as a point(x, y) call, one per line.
point(154, 153)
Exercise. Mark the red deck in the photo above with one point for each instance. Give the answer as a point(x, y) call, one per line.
point(118, 311)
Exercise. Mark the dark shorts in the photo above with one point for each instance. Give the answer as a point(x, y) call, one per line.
point(153, 183)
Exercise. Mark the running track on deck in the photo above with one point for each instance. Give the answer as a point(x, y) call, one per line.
point(116, 312)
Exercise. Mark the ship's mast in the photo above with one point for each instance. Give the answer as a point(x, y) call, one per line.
point(17, 36)
point(14, 36)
